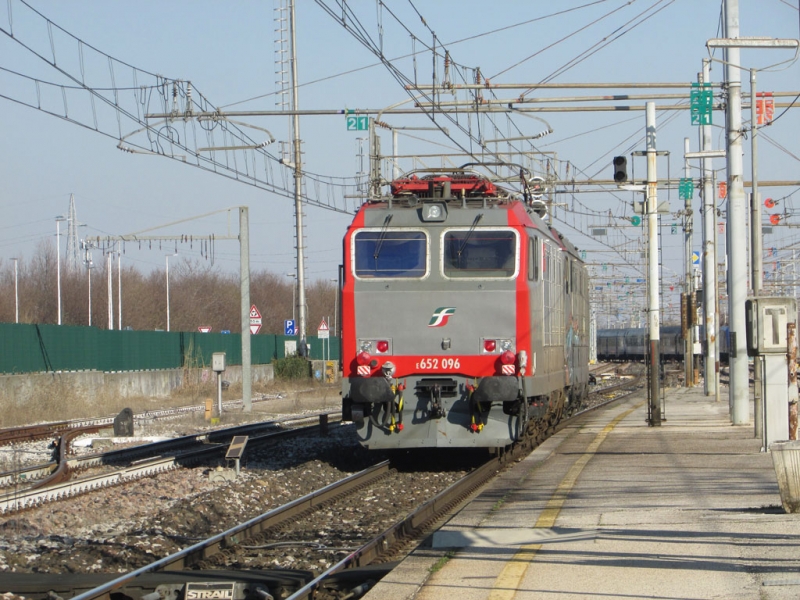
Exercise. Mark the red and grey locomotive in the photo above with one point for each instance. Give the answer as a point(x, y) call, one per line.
point(464, 316)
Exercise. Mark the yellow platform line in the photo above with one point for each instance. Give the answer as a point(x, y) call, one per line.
point(507, 583)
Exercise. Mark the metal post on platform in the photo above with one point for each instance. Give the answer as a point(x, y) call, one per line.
point(652, 266)
point(688, 288)
point(711, 318)
point(755, 245)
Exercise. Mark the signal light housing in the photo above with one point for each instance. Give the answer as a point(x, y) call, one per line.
point(620, 169)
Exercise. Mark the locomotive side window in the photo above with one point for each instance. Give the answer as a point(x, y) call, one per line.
point(553, 296)
point(480, 253)
point(534, 259)
point(390, 253)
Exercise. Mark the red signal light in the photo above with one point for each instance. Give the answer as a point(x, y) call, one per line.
point(775, 219)
point(508, 358)
point(769, 203)
point(489, 345)
point(382, 346)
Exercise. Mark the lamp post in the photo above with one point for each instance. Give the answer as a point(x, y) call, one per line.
point(110, 278)
point(59, 219)
point(16, 291)
point(710, 312)
point(89, 271)
point(335, 305)
point(166, 258)
point(119, 288)
point(294, 288)
point(89, 263)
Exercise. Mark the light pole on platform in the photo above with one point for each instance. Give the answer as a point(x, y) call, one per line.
point(166, 258)
point(16, 291)
point(59, 219)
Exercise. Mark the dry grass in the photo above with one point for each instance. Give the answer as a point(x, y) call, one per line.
point(59, 400)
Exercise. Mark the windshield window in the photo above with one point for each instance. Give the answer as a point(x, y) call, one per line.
point(390, 253)
point(480, 253)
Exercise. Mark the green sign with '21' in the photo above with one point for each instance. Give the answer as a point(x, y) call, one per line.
point(355, 123)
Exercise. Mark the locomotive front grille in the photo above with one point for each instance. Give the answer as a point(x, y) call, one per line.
point(448, 388)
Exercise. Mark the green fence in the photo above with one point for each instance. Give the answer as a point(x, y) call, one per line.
point(36, 348)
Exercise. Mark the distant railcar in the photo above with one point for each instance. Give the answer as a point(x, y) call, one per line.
point(633, 343)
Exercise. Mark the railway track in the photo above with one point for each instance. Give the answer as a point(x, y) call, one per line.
point(130, 464)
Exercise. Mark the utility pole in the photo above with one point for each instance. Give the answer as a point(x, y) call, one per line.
point(756, 245)
point(59, 219)
point(709, 256)
point(110, 277)
point(244, 282)
point(688, 288)
point(16, 290)
point(298, 186)
point(72, 261)
point(739, 392)
point(737, 269)
point(652, 266)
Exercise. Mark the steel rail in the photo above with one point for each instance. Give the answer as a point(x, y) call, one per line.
point(35, 496)
point(431, 510)
point(127, 454)
point(233, 536)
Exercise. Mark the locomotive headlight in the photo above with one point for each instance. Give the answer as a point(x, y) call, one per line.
point(388, 369)
point(522, 361)
point(505, 345)
point(434, 212)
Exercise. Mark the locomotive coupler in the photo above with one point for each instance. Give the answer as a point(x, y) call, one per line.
point(437, 411)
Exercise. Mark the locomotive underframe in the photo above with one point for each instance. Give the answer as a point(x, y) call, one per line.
point(446, 412)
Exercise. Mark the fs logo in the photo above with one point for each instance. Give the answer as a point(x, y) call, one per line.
point(441, 315)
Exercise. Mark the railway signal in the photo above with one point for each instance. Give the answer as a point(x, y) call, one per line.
point(620, 169)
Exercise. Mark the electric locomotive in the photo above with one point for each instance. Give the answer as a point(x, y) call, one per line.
point(464, 316)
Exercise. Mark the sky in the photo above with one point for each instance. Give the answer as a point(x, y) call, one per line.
point(228, 52)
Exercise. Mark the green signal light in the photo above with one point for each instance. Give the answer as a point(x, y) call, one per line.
point(636, 221)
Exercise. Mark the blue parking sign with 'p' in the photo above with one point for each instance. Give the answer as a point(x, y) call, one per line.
point(289, 327)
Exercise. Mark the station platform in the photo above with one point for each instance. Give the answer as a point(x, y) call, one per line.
point(612, 508)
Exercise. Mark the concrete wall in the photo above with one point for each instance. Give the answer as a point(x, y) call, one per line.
point(152, 384)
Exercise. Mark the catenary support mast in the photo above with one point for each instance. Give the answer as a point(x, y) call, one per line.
point(739, 393)
point(652, 266)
